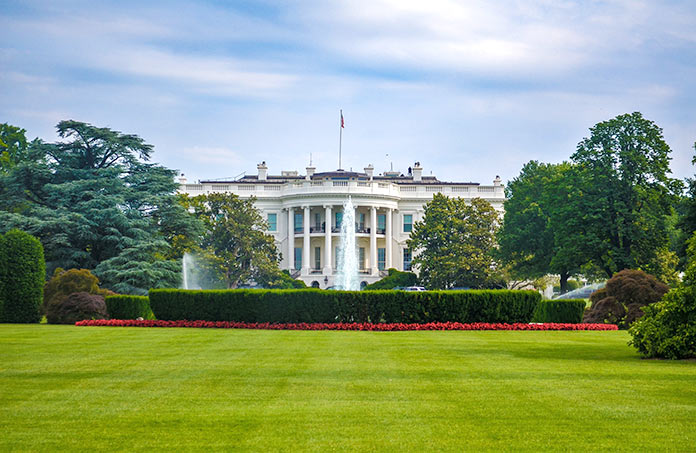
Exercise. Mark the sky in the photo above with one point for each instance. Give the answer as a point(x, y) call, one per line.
point(471, 89)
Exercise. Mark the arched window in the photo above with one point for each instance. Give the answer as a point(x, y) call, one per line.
point(363, 285)
point(315, 284)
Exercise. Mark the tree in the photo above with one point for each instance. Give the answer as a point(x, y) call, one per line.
point(531, 244)
point(394, 279)
point(453, 243)
point(621, 195)
point(13, 146)
point(686, 220)
point(96, 203)
point(234, 246)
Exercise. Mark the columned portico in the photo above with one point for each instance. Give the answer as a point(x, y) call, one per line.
point(291, 239)
point(305, 242)
point(328, 270)
point(388, 240)
point(373, 241)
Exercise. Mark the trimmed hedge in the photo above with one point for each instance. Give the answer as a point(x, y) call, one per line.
point(128, 307)
point(561, 311)
point(24, 276)
point(320, 306)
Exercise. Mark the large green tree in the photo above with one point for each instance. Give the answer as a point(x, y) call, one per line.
point(96, 203)
point(453, 244)
point(621, 195)
point(530, 240)
point(234, 246)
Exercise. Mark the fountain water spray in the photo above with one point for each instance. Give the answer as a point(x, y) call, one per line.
point(347, 259)
point(188, 266)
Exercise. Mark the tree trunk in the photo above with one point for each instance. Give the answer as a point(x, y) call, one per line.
point(564, 282)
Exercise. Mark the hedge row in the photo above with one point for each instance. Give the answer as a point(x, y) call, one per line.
point(128, 307)
point(320, 306)
point(22, 277)
point(561, 310)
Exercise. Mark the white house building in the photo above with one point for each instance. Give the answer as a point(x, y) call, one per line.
point(304, 213)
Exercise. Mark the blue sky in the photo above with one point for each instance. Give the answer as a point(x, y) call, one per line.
point(470, 89)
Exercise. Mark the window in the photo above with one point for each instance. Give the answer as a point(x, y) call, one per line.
point(381, 261)
point(298, 258)
point(407, 259)
point(317, 258)
point(408, 223)
point(381, 223)
point(272, 222)
point(339, 220)
point(298, 222)
point(317, 220)
point(361, 222)
point(337, 257)
point(361, 258)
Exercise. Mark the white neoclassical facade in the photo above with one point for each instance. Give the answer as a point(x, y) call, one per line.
point(304, 213)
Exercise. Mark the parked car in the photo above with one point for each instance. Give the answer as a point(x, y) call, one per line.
point(414, 288)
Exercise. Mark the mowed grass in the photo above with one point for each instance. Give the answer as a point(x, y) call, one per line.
point(139, 389)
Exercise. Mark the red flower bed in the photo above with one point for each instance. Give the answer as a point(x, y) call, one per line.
point(382, 327)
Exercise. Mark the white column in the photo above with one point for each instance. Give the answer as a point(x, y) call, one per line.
point(305, 243)
point(388, 240)
point(373, 241)
point(291, 239)
point(327, 241)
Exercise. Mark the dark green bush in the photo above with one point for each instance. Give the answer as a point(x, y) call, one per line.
point(128, 307)
point(561, 310)
point(3, 273)
point(394, 279)
point(314, 305)
point(76, 307)
point(24, 277)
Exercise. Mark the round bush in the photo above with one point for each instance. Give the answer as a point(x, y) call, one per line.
point(623, 298)
point(64, 283)
point(24, 277)
point(76, 307)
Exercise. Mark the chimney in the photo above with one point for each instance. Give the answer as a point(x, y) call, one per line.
point(417, 172)
point(263, 171)
point(310, 172)
point(182, 179)
point(497, 182)
point(369, 171)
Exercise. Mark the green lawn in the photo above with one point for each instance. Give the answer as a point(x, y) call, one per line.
point(102, 388)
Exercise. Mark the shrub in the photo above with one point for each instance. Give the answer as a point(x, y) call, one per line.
point(319, 306)
point(621, 301)
point(64, 283)
point(128, 307)
point(76, 307)
point(24, 276)
point(394, 279)
point(560, 311)
point(668, 329)
point(3, 273)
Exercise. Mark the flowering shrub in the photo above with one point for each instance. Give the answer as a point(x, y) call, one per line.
point(381, 327)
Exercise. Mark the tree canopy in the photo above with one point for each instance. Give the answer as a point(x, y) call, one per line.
point(234, 246)
point(453, 243)
point(96, 203)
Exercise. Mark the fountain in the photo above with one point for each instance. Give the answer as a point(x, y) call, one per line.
point(188, 266)
point(347, 259)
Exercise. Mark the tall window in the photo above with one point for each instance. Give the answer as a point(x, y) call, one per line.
point(298, 222)
point(317, 220)
point(381, 223)
point(339, 219)
point(408, 223)
point(361, 221)
point(407, 259)
point(317, 257)
point(298, 258)
point(272, 222)
point(361, 258)
point(381, 258)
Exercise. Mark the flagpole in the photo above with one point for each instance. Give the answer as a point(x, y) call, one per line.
point(340, 138)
